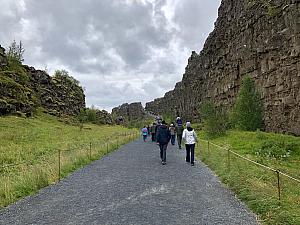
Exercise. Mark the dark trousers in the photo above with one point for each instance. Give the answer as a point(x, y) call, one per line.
point(179, 137)
point(144, 137)
point(190, 153)
point(163, 152)
point(173, 139)
point(153, 135)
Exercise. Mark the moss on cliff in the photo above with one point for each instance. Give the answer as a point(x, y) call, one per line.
point(22, 88)
point(14, 96)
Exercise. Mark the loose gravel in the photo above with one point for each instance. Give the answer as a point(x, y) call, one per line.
point(130, 186)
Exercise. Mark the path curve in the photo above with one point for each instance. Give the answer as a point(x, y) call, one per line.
point(130, 186)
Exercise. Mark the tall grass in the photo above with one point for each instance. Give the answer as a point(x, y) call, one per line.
point(34, 145)
point(255, 185)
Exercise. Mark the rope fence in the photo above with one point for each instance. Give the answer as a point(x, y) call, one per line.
point(106, 146)
point(229, 152)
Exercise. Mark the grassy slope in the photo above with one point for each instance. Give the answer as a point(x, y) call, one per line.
point(37, 140)
point(253, 184)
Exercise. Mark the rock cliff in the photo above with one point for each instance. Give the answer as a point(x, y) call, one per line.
point(3, 60)
point(129, 112)
point(256, 37)
point(23, 89)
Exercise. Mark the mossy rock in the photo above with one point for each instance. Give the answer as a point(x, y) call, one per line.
point(19, 114)
point(17, 72)
point(9, 82)
point(6, 108)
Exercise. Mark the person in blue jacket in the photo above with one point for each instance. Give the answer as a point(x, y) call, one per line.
point(163, 137)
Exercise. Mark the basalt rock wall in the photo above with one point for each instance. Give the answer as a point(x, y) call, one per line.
point(129, 112)
point(256, 37)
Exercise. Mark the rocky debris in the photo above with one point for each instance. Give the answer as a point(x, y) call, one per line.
point(58, 96)
point(129, 112)
point(260, 38)
point(3, 59)
point(24, 89)
point(104, 117)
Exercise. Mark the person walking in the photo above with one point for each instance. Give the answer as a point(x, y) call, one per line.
point(148, 129)
point(179, 130)
point(179, 121)
point(190, 138)
point(163, 137)
point(153, 131)
point(173, 133)
point(145, 133)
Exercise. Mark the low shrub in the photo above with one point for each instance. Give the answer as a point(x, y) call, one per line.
point(215, 120)
point(275, 149)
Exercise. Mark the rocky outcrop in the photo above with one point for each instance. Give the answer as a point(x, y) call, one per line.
point(23, 89)
point(256, 37)
point(3, 60)
point(129, 112)
point(104, 117)
point(57, 95)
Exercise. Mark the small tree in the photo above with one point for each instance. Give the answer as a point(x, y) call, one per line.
point(214, 119)
point(16, 51)
point(91, 114)
point(14, 62)
point(247, 112)
point(82, 118)
point(64, 75)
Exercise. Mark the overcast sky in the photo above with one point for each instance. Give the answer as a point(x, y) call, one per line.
point(120, 50)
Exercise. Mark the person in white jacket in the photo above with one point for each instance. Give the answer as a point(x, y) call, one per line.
point(190, 138)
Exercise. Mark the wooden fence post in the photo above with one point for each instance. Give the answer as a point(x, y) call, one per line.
point(59, 164)
point(278, 185)
point(208, 150)
point(90, 155)
point(228, 158)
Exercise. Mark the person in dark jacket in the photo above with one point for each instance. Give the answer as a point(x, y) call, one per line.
point(153, 131)
point(179, 131)
point(163, 137)
point(148, 129)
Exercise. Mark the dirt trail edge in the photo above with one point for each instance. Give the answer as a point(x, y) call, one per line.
point(130, 186)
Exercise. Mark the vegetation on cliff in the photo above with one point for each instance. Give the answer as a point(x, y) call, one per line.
point(247, 113)
point(214, 120)
point(23, 89)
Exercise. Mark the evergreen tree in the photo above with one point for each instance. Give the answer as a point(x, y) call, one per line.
point(247, 112)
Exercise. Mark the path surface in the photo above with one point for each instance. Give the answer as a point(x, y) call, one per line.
point(130, 186)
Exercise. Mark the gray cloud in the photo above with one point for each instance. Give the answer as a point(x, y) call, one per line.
point(121, 51)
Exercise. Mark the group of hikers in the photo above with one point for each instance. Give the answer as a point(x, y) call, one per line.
point(162, 133)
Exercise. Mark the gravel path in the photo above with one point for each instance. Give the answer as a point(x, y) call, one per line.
point(130, 186)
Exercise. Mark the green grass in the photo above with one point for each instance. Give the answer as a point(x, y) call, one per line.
point(34, 142)
point(253, 184)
